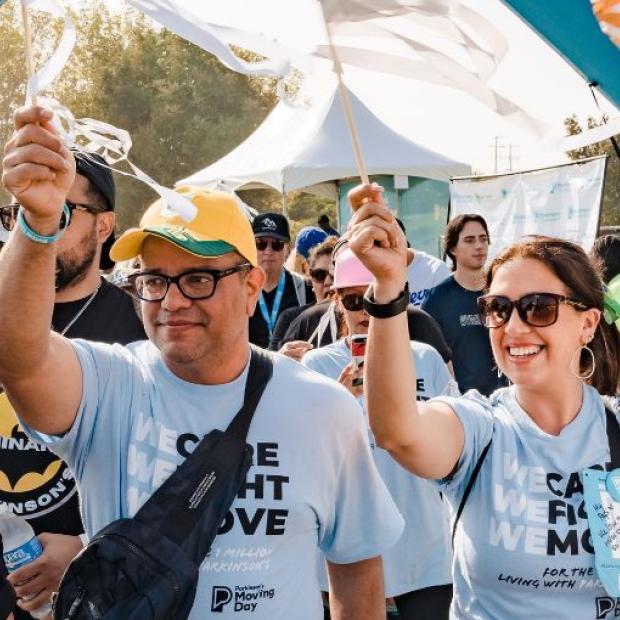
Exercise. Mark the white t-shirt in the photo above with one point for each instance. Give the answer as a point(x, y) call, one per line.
point(313, 483)
point(522, 547)
point(424, 272)
point(422, 557)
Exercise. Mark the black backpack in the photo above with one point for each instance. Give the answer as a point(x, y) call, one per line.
point(146, 568)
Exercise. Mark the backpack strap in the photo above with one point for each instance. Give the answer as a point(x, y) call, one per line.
point(613, 437)
point(469, 487)
point(188, 493)
point(300, 288)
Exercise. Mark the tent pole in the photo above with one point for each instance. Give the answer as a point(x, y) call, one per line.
point(284, 204)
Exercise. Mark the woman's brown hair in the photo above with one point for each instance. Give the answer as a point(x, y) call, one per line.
point(583, 282)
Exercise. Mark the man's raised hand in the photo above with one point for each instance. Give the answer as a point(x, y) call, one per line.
point(38, 169)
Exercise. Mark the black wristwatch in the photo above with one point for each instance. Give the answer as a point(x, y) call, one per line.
point(385, 311)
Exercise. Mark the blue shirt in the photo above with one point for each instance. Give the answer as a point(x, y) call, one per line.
point(422, 558)
point(313, 484)
point(522, 547)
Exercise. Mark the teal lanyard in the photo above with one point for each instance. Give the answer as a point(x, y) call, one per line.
point(270, 319)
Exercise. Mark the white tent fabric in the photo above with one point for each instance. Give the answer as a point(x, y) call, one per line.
point(304, 147)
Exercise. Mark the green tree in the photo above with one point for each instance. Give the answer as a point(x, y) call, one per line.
point(611, 193)
point(182, 108)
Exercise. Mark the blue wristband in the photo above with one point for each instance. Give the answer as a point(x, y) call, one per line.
point(35, 236)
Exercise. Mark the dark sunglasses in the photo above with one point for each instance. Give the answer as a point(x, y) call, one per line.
point(535, 309)
point(276, 244)
point(8, 214)
point(319, 274)
point(353, 303)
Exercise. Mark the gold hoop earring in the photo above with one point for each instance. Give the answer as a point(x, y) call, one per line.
point(578, 351)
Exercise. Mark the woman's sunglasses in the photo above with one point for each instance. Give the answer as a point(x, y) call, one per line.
point(8, 214)
point(535, 309)
point(276, 244)
point(319, 274)
point(353, 303)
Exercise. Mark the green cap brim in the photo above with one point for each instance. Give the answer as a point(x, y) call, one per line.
point(129, 245)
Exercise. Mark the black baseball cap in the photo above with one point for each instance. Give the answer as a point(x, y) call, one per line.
point(94, 168)
point(271, 225)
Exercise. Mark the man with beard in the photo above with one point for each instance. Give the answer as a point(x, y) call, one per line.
point(34, 483)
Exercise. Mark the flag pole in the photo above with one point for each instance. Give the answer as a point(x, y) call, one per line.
point(28, 44)
point(346, 103)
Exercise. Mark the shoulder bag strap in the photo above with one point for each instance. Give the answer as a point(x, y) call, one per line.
point(468, 488)
point(180, 502)
point(613, 437)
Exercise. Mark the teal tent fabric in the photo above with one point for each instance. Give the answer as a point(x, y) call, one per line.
point(571, 28)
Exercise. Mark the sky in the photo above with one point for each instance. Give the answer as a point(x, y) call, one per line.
point(440, 118)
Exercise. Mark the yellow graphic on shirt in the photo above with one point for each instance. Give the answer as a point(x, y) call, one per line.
point(16, 465)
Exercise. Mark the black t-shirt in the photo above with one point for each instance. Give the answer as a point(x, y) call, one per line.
point(259, 331)
point(38, 484)
point(304, 325)
point(111, 317)
point(454, 308)
point(422, 327)
point(282, 324)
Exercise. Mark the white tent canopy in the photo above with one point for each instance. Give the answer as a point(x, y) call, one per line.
point(299, 147)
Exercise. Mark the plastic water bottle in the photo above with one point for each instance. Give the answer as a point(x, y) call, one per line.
point(21, 546)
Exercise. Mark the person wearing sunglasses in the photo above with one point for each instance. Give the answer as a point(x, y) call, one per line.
point(283, 289)
point(126, 417)
point(321, 277)
point(85, 306)
point(417, 569)
point(517, 457)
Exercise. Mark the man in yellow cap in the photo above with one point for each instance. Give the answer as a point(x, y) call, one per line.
point(128, 416)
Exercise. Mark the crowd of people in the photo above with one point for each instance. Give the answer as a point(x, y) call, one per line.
point(417, 450)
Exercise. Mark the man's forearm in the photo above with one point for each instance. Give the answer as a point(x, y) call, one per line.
point(356, 590)
point(27, 272)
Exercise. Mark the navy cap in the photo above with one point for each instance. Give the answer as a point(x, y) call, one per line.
point(271, 225)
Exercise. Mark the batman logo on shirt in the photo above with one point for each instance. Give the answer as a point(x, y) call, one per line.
point(33, 480)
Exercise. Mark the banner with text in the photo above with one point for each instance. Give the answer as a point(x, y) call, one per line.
point(563, 201)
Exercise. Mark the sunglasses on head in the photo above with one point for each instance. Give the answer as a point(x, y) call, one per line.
point(535, 309)
point(8, 214)
point(319, 274)
point(353, 303)
point(276, 244)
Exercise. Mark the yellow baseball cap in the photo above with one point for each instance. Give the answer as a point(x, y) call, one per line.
point(220, 227)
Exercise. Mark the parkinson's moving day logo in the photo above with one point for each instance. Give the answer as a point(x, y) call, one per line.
point(33, 480)
point(243, 598)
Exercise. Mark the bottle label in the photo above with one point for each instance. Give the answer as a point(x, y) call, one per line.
point(28, 552)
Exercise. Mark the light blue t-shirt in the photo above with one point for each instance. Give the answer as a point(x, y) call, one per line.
point(523, 547)
point(313, 483)
point(422, 557)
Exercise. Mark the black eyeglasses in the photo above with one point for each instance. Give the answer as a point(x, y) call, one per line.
point(319, 274)
point(8, 213)
point(193, 284)
point(353, 303)
point(276, 244)
point(535, 309)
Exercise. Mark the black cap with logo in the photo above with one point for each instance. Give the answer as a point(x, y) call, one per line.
point(271, 225)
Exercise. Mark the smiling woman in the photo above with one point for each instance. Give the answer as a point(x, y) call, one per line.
point(508, 455)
